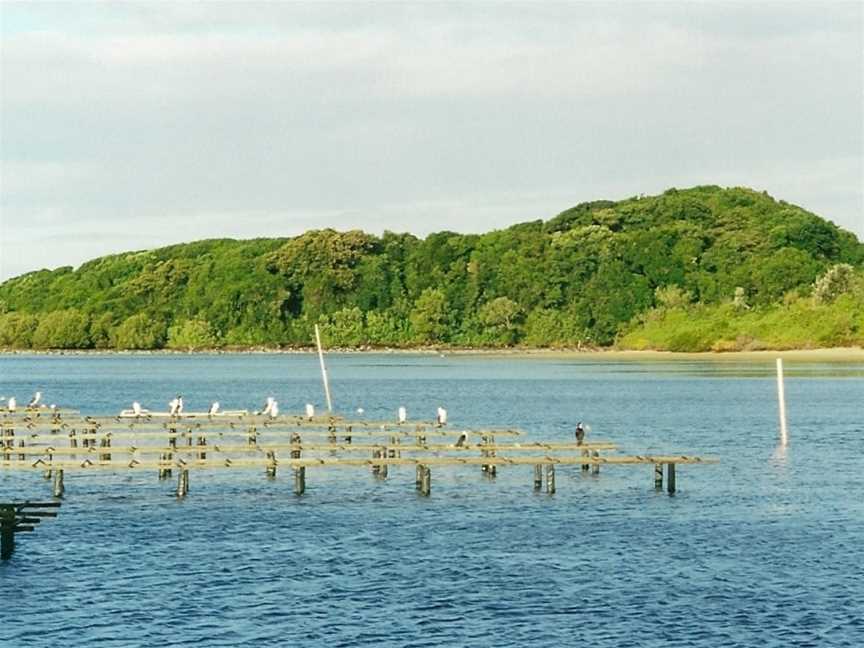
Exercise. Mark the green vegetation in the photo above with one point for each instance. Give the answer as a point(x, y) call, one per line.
point(798, 322)
point(695, 269)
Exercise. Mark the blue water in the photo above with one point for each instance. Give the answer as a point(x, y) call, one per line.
point(764, 549)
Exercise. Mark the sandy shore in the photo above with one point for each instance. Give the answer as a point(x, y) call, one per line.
point(846, 354)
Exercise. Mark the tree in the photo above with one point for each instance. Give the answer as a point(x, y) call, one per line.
point(65, 329)
point(140, 331)
point(192, 334)
point(429, 319)
point(501, 315)
point(16, 330)
point(672, 296)
point(833, 283)
point(101, 329)
point(343, 328)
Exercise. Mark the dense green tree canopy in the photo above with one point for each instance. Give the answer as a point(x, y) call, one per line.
point(585, 277)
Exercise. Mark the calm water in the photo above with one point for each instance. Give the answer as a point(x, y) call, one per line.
point(766, 548)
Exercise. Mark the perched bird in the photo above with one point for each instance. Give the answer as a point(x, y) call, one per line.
point(214, 408)
point(403, 415)
point(175, 407)
point(268, 406)
point(35, 400)
point(442, 416)
point(12, 404)
point(136, 409)
point(463, 439)
point(274, 408)
point(310, 410)
point(360, 410)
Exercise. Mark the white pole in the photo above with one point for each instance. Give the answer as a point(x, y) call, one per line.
point(781, 399)
point(323, 370)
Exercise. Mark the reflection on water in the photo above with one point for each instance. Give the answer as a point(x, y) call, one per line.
point(755, 550)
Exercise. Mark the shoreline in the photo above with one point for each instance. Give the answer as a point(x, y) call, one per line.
point(834, 354)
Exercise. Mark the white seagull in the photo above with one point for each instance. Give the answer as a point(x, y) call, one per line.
point(175, 407)
point(35, 400)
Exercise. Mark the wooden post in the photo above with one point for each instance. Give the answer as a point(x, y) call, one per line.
point(164, 472)
point(375, 467)
point(419, 477)
point(7, 531)
point(538, 477)
point(323, 369)
point(59, 488)
point(550, 478)
point(252, 435)
point(21, 457)
point(781, 401)
point(105, 442)
point(658, 476)
point(183, 483)
point(585, 467)
point(426, 481)
point(202, 442)
point(271, 464)
point(295, 441)
point(670, 477)
point(300, 480)
point(595, 468)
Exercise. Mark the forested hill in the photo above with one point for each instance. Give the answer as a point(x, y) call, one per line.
point(637, 271)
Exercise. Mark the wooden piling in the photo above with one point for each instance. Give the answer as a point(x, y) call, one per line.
point(426, 481)
point(183, 483)
point(670, 478)
point(202, 441)
point(164, 473)
point(295, 441)
point(585, 467)
point(105, 442)
point(59, 488)
point(271, 464)
point(300, 480)
point(658, 477)
point(7, 531)
point(595, 467)
point(538, 477)
point(550, 478)
point(418, 480)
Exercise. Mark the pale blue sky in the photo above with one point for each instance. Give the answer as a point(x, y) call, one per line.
point(127, 126)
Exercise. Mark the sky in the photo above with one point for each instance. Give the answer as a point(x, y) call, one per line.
point(129, 126)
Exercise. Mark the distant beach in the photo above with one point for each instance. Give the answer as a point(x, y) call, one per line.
point(837, 354)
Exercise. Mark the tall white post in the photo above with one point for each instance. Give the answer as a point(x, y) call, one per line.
point(781, 399)
point(323, 370)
